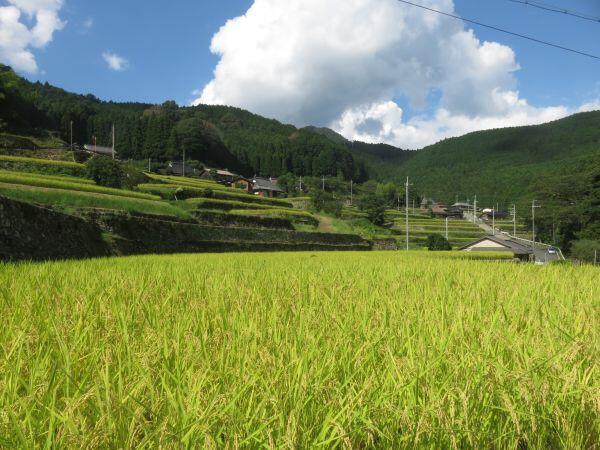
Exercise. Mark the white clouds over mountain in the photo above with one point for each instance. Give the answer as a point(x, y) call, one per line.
point(341, 63)
point(17, 39)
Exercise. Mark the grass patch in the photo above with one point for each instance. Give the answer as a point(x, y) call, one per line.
point(304, 350)
point(70, 184)
point(42, 166)
point(80, 199)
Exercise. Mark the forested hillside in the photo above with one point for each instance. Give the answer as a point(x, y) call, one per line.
point(216, 135)
point(503, 165)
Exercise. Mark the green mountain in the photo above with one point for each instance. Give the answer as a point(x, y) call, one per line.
point(499, 166)
point(215, 135)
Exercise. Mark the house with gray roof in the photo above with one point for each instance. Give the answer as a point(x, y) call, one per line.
point(266, 187)
point(497, 244)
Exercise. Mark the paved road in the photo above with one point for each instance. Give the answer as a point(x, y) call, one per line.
point(541, 251)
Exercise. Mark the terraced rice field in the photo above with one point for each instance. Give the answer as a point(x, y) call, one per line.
point(303, 350)
point(421, 225)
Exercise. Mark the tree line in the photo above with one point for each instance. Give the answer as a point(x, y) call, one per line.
point(215, 135)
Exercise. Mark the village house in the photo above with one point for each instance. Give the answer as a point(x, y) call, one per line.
point(243, 183)
point(266, 187)
point(179, 169)
point(495, 244)
point(220, 175)
point(462, 206)
point(490, 214)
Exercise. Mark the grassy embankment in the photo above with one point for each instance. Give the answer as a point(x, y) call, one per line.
point(311, 350)
point(71, 192)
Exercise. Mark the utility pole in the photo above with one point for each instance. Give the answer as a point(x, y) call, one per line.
point(300, 183)
point(113, 141)
point(407, 186)
point(183, 166)
point(351, 192)
point(493, 222)
point(533, 206)
point(398, 202)
point(475, 210)
point(323, 182)
point(71, 135)
point(514, 220)
point(447, 226)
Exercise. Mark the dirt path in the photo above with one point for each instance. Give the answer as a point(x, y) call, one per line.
point(325, 225)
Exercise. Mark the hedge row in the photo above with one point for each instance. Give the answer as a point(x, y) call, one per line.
point(186, 181)
point(239, 220)
point(291, 214)
point(225, 205)
point(42, 166)
point(172, 191)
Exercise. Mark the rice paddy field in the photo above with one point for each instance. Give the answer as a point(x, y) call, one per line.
point(299, 350)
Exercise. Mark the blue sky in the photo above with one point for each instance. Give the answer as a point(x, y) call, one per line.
point(166, 46)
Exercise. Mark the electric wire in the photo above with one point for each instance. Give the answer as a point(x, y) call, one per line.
point(557, 9)
point(539, 41)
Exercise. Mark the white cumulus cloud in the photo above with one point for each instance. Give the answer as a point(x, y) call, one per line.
point(115, 62)
point(341, 63)
point(17, 39)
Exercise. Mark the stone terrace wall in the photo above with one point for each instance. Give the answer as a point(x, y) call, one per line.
point(29, 232)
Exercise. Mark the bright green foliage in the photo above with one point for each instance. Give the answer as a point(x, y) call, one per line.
point(341, 350)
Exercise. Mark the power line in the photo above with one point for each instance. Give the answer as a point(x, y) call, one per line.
point(557, 9)
point(539, 41)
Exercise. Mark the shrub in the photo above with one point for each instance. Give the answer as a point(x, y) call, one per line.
point(583, 250)
point(326, 202)
point(374, 206)
point(437, 242)
point(133, 176)
point(105, 171)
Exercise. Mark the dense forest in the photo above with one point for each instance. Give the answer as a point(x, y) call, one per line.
point(214, 135)
point(499, 166)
